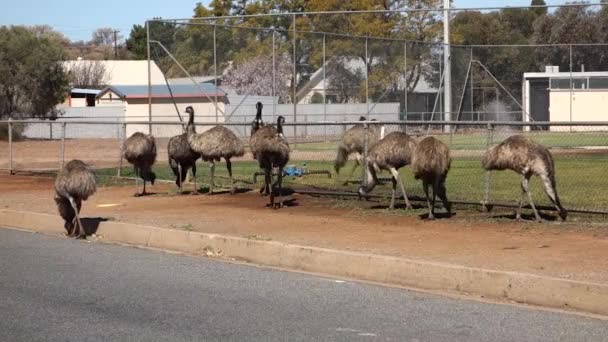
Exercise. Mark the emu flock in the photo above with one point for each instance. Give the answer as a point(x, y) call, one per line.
point(428, 157)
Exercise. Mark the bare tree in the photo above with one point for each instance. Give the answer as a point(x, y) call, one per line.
point(254, 76)
point(88, 74)
point(105, 36)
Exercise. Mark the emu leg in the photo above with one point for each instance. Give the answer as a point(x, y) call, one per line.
point(194, 189)
point(524, 185)
point(552, 193)
point(425, 186)
point(392, 205)
point(268, 185)
point(79, 227)
point(435, 192)
point(280, 183)
point(444, 198)
point(179, 176)
point(265, 190)
point(396, 175)
point(212, 175)
point(358, 159)
point(137, 194)
point(229, 167)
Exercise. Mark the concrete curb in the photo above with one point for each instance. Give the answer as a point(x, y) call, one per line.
point(518, 287)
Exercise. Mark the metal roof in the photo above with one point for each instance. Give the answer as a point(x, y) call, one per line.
point(565, 74)
point(85, 91)
point(162, 91)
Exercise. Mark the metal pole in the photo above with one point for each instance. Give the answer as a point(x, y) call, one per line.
point(447, 98)
point(489, 141)
point(405, 81)
point(274, 67)
point(366, 82)
point(10, 146)
point(472, 88)
point(215, 70)
point(62, 155)
point(122, 147)
point(365, 148)
point(50, 130)
point(571, 87)
point(295, 101)
point(324, 93)
point(149, 78)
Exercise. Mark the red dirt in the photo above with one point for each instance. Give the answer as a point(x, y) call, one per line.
point(569, 250)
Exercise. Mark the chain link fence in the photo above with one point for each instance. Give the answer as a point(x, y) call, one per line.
point(580, 151)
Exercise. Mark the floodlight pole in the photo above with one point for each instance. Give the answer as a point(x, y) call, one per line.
point(366, 81)
point(215, 69)
point(149, 78)
point(447, 69)
point(405, 81)
point(295, 101)
point(274, 67)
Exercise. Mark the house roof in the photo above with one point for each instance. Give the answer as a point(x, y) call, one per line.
point(198, 79)
point(85, 91)
point(565, 74)
point(162, 91)
point(119, 72)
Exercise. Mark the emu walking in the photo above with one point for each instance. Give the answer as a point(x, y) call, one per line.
point(431, 163)
point(390, 153)
point(74, 183)
point(140, 151)
point(353, 141)
point(214, 144)
point(272, 150)
point(181, 156)
point(528, 158)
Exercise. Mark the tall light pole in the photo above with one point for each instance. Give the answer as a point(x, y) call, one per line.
point(447, 65)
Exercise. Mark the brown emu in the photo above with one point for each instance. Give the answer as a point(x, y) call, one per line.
point(214, 144)
point(528, 158)
point(74, 183)
point(259, 131)
point(181, 156)
point(140, 151)
point(390, 153)
point(353, 141)
point(431, 163)
point(272, 150)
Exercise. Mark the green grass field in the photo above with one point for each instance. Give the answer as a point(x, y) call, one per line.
point(581, 180)
point(478, 141)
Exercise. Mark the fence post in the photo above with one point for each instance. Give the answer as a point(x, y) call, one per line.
point(365, 148)
point(489, 141)
point(50, 131)
point(295, 83)
point(215, 69)
point(62, 148)
point(10, 146)
point(122, 146)
point(324, 94)
point(366, 81)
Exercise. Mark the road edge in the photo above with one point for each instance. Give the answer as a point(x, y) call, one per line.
point(398, 271)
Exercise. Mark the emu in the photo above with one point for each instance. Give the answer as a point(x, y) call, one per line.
point(272, 150)
point(528, 158)
point(353, 141)
point(140, 151)
point(259, 130)
point(181, 156)
point(214, 144)
point(431, 163)
point(390, 153)
point(75, 183)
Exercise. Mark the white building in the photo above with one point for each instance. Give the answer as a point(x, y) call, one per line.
point(563, 97)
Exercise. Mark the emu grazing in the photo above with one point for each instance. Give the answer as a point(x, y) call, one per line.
point(74, 183)
point(214, 144)
point(272, 150)
point(181, 156)
point(431, 163)
point(527, 158)
point(353, 141)
point(140, 151)
point(258, 132)
point(390, 153)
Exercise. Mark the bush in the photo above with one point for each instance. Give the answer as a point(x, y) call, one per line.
point(17, 131)
point(316, 98)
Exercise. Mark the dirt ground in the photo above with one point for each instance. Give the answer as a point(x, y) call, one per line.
point(575, 250)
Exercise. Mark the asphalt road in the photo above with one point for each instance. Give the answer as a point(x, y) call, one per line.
point(59, 289)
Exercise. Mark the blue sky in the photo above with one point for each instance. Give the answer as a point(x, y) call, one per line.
point(77, 19)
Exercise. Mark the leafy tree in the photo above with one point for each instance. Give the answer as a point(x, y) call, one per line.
point(316, 98)
point(32, 81)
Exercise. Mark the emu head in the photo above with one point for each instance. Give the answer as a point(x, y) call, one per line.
point(190, 110)
point(362, 118)
point(280, 122)
point(258, 107)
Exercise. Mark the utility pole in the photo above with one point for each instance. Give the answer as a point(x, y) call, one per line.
point(447, 69)
point(115, 43)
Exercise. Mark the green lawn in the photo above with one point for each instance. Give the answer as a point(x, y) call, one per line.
point(581, 180)
point(478, 140)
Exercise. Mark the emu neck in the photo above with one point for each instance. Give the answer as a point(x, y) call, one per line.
point(190, 128)
point(280, 128)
